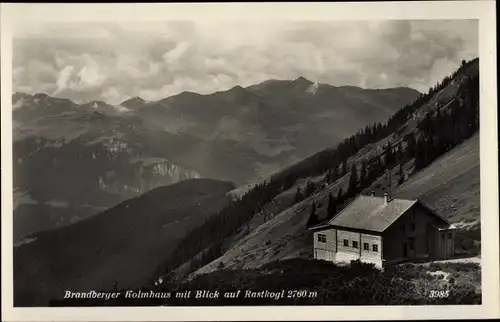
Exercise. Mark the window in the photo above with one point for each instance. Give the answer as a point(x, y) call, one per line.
point(366, 246)
point(413, 215)
point(450, 235)
point(413, 226)
point(375, 248)
point(354, 244)
point(346, 243)
point(402, 227)
point(321, 238)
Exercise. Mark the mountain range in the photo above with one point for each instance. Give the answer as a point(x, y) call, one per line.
point(196, 226)
point(72, 161)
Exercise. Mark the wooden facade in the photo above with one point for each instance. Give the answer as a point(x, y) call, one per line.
point(416, 234)
point(341, 245)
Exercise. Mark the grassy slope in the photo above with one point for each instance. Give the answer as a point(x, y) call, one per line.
point(450, 185)
point(318, 282)
point(401, 284)
point(454, 174)
point(121, 246)
point(283, 236)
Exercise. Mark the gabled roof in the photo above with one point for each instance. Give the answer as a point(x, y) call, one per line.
point(371, 213)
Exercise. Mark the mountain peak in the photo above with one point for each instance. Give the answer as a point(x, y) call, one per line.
point(237, 88)
point(188, 94)
point(19, 95)
point(135, 99)
point(302, 80)
point(40, 96)
point(133, 102)
point(235, 93)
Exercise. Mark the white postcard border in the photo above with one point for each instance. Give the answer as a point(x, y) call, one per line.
point(13, 15)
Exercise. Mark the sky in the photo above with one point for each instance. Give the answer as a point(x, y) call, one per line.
point(115, 61)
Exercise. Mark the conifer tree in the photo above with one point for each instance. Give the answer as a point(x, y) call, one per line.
point(387, 155)
point(331, 205)
point(353, 181)
point(313, 219)
point(401, 174)
point(399, 153)
point(310, 188)
point(363, 178)
point(329, 177)
point(298, 195)
point(410, 146)
point(335, 173)
point(340, 197)
point(419, 154)
point(344, 168)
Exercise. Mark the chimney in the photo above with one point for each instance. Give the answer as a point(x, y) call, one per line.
point(386, 198)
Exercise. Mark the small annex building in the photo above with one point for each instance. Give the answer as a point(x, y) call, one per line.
point(384, 231)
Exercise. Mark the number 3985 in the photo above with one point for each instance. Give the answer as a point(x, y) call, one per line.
point(439, 294)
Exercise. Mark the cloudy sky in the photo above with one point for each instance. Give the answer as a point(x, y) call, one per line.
point(115, 61)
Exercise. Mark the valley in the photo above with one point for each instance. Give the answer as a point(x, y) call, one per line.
point(111, 249)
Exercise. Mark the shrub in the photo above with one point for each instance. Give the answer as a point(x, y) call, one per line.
point(355, 284)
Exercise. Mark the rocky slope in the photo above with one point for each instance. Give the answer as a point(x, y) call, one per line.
point(270, 125)
point(85, 162)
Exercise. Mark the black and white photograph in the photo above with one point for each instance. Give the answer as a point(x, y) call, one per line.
point(248, 162)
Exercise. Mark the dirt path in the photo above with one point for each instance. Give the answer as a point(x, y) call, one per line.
point(475, 259)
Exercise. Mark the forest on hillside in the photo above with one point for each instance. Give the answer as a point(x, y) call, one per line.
point(439, 131)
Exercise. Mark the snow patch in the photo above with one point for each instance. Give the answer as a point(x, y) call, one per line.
point(466, 224)
point(25, 241)
point(312, 89)
point(121, 108)
point(441, 275)
point(17, 104)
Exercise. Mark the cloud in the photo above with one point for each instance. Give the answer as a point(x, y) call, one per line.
point(63, 79)
point(115, 61)
point(112, 95)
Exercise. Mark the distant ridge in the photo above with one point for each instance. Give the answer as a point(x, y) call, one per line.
point(138, 101)
point(134, 102)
